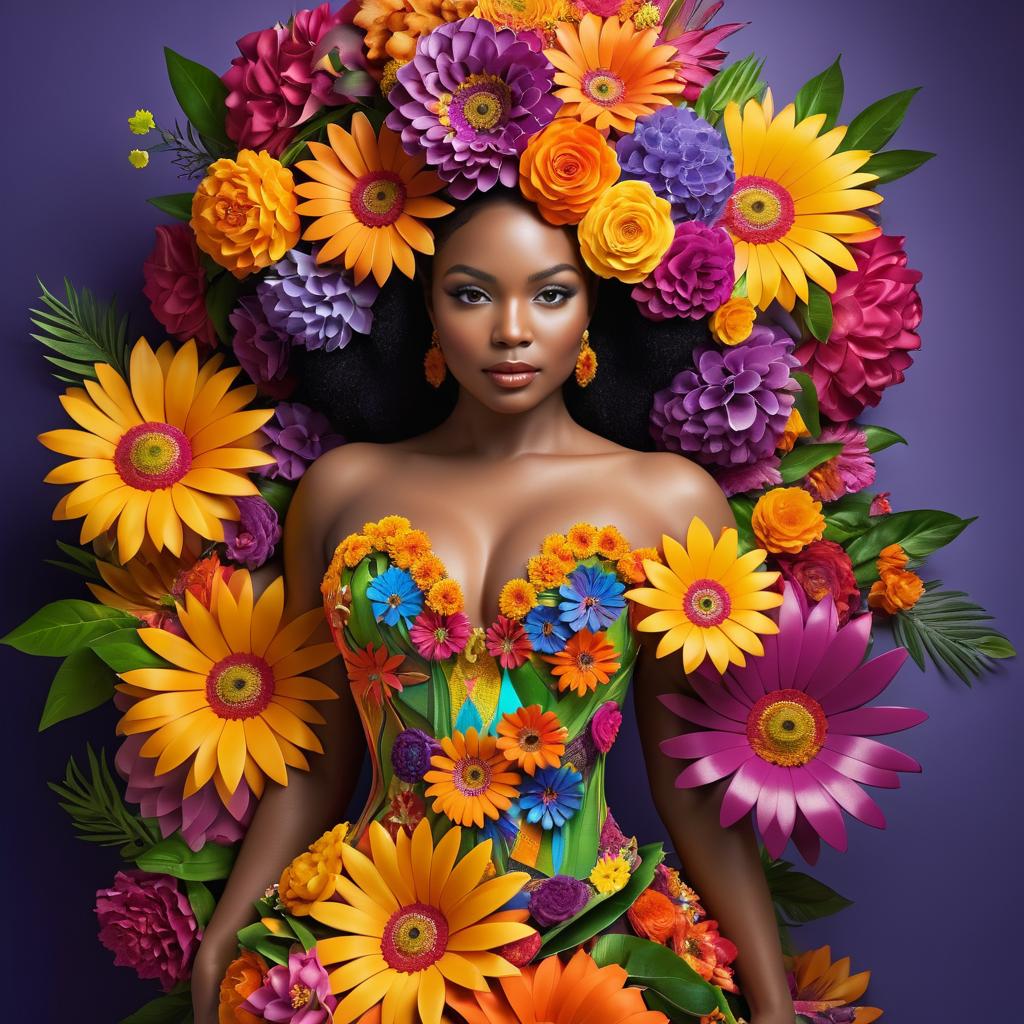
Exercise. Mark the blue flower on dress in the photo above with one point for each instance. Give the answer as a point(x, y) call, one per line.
point(593, 599)
point(551, 796)
point(394, 596)
point(545, 629)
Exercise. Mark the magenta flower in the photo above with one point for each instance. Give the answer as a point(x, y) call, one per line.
point(604, 726)
point(850, 471)
point(754, 477)
point(791, 729)
point(175, 284)
point(507, 641)
point(299, 993)
point(437, 636)
point(251, 539)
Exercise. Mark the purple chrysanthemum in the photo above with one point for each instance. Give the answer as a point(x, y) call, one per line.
point(262, 350)
point(731, 408)
point(298, 436)
point(470, 100)
point(693, 278)
point(316, 305)
point(411, 753)
point(558, 898)
point(683, 159)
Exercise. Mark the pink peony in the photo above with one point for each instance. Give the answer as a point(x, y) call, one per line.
point(175, 285)
point(877, 311)
point(604, 726)
point(850, 471)
point(299, 993)
point(146, 921)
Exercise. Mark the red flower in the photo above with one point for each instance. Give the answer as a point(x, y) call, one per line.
point(821, 568)
point(507, 641)
point(176, 285)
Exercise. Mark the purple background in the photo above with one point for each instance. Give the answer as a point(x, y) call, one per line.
point(938, 894)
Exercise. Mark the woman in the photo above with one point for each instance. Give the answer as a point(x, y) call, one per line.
point(509, 299)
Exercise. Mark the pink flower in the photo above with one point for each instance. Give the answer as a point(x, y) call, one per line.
point(175, 285)
point(880, 504)
point(437, 636)
point(507, 641)
point(696, 44)
point(604, 726)
point(877, 311)
point(146, 921)
point(850, 471)
point(299, 993)
point(755, 477)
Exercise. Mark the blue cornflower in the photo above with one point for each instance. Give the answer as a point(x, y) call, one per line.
point(394, 596)
point(593, 599)
point(551, 796)
point(545, 629)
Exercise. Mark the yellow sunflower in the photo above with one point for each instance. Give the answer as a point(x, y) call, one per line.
point(795, 201)
point(235, 701)
point(367, 196)
point(170, 446)
point(709, 601)
point(414, 919)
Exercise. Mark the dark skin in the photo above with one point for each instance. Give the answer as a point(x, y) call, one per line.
point(506, 468)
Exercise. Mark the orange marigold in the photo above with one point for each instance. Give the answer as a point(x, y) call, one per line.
point(582, 539)
point(241, 979)
point(611, 544)
point(386, 529)
point(891, 557)
point(653, 916)
point(393, 26)
point(897, 590)
point(243, 213)
point(795, 428)
point(445, 597)
point(426, 571)
point(312, 875)
point(564, 168)
point(545, 571)
point(517, 597)
point(787, 519)
point(408, 545)
point(586, 660)
point(354, 548)
point(631, 566)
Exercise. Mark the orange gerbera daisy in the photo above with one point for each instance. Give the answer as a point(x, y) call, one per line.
point(372, 671)
point(611, 73)
point(531, 737)
point(471, 779)
point(235, 700)
point(367, 196)
point(578, 992)
point(168, 447)
point(586, 660)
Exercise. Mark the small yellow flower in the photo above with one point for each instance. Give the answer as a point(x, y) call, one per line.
point(582, 539)
point(138, 158)
point(312, 875)
point(427, 570)
point(445, 597)
point(795, 428)
point(610, 874)
point(647, 16)
point(517, 597)
point(142, 122)
point(733, 321)
point(390, 74)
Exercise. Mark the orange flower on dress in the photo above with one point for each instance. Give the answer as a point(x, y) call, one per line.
point(787, 519)
point(243, 977)
point(367, 197)
point(545, 571)
point(582, 539)
point(611, 544)
point(445, 597)
point(373, 672)
point(586, 660)
point(653, 916)
point(426, 571)
point(517, 597)
point(564, 168)
point(705, 950)
point(611, 73)
point(406, 547)
point(897, 590)
point(631, 566)
point(471, 779)
point(531, 737)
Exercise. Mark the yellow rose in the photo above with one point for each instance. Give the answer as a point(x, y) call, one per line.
point(626, 232)
point(787, 519)
point(733, 321)
point(897, 590)
point(312, 875)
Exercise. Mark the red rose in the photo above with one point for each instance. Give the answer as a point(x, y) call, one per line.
point(176, 285)
point(821, 568)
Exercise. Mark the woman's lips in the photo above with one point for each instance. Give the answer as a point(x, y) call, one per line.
point(511, 375)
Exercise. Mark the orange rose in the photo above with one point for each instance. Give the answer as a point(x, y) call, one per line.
point(787, 519)
point(564, 168)
point(242, 978)
point(897, 590)
point(733, 321)
point(653, 916)
point(890, 558)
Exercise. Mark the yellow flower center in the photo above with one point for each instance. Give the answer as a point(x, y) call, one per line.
point(154, 455)
point(760, 210)
point(603, 86)
point(300, 996)
point(481, 102)
point(472, 776)
point(787, 727)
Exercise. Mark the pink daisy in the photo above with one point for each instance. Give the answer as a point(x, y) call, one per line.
point(437, 636)
point(850, 471)
point(791, 729)
point(507, 641)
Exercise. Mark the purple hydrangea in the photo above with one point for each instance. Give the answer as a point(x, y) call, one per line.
point(731, 408)
point(411, 753)
point(683, 159)
point(296, 993)
point(298, 436)
point(263, 351)
point(558, 898)
point(252, 539)
point(469, 100)
point(693, 278)
point(316, 306)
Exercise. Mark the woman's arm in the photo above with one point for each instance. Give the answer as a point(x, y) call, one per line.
point(288, 817)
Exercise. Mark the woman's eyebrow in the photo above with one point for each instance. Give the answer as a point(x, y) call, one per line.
point(462, 268)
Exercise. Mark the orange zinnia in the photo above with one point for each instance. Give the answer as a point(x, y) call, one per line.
point(471, 779)
point(586, 660)
point(611, 73)
point(532, 738)
point(367, 195)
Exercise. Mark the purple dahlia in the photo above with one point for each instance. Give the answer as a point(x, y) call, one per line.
point(470, 100)
point(263, 351)
point(731, 408)
point(683, 159)
point(298, 436)
point(317, 306)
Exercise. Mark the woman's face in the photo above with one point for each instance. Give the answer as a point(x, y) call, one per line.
point(510, 302)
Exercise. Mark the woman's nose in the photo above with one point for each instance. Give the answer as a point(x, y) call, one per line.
point(513, 325)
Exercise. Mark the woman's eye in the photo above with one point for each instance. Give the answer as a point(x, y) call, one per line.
point(551, 296)
point(473, 296)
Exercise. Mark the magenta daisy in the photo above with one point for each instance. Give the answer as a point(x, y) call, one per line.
point(437, 636)
point(506, 640)
point(791, 729)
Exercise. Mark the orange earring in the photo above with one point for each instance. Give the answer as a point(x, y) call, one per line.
point(434, 367)
point(586, 361)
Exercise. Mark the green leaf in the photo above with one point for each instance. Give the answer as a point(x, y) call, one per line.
point(178, 205)
point(302, 933)
point(97, 810)
point(202, 902)
point(818, 312)
point(65, 626)
point(261, 939)
point(795, 465)
point(873, 127)
point(880, 438)
point(221, 298)
point(823, 94)
point(81, 684)
point(123, 651)
point(84, 558)
point(797, 896)
point(172, 856)
point(807, 402)
point(950, 628)
point(742, 506)
point(848, 517)
point(918, 531)
point(173, 1008)
point(737, 83)
point(895, 163)
point(277, 493)
point(658, 969)
point(200, 93)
